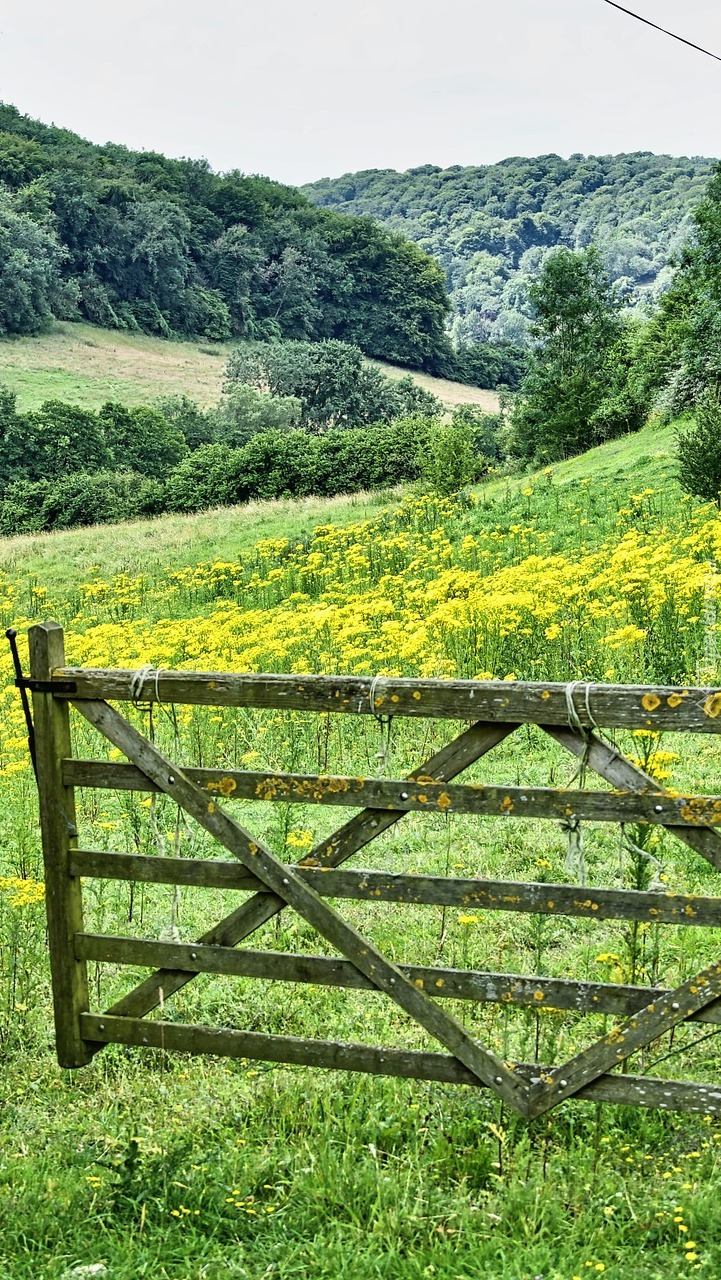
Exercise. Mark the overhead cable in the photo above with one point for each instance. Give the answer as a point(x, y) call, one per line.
point(699, 48)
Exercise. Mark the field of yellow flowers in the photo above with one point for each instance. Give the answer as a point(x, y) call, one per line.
point(197, 1170)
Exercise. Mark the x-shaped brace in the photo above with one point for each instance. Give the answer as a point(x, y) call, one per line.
point(285, 887)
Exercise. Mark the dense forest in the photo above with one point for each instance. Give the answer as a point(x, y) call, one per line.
point(491, 227)
point(136, 240)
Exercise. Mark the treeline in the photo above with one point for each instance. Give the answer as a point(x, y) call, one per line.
point(492, 226)
point(294, 419)
point(274, 464)
point(139, 241)
point(594, 372)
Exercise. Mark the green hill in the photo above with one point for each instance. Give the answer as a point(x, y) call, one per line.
point(138, 241)
point(489, 226)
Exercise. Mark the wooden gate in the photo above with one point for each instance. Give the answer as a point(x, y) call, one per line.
point(573, 715)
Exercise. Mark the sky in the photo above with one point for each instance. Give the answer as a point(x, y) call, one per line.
point(304, 89)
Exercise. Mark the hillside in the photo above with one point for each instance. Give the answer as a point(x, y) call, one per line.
point(490, 226)
point(167, 1164)
point(139, 241)
point(604, 477)
point(86, 365)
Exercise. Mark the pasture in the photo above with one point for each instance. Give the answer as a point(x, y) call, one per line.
point(86, 365)
point(197, 1169)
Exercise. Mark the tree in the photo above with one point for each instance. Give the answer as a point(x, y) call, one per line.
point(32, 289)
point(13, 439)
point(684, 340)
point(573, 393)
point(21, 160)
point(491, 227)
point(488, 430)
point(243, 412)
point(332, 382)
point(196, 425)
point(63, 438)
point(698, 451)
point(448, 459)
point(413, 400)
point(489, 364)
point(141, 439)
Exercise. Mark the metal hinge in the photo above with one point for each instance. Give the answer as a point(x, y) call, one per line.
point(46, 686)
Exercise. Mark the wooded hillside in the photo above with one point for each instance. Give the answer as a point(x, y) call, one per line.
point(491, 226)
point(138, 241)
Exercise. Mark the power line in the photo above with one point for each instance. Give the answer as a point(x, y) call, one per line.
point(655, 26)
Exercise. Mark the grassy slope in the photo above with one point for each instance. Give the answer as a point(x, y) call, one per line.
point(174, 541)
point(450, 393)
point(65, 557)
point(87, 366)
point(197, 1170)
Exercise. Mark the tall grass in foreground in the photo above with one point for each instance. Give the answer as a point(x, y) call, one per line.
point(190, 1169)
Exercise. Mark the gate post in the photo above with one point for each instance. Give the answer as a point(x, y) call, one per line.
point(63, 898)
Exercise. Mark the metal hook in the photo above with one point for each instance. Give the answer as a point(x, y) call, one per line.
point(21, 684)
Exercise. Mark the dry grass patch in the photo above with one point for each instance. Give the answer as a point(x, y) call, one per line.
point(87, 366)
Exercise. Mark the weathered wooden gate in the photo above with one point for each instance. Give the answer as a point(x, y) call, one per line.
point(570, 714)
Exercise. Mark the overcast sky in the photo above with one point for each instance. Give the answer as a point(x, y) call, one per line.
point(303, 89)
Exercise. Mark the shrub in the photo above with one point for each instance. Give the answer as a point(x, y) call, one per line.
point(698, 451)
point(141, 439)
point(202, 480)
point(448, 460)
point(101, 498)
point(21, 507)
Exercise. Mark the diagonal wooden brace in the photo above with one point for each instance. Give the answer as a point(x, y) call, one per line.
point(288, 886)
point(354, 835)
point(658, 1017)
point(612, 765)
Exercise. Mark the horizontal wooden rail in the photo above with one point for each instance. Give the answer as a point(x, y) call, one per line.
point(418, 890)
point(423, 796)
point(325, 971)
point(208, 873)
point(642, 1091)
point(487, 712)
point(606, 705)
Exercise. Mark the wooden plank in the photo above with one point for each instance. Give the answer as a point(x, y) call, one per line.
point(207, 873)
point(642, 1091)
point(335, 849)
point(661, 1015)
point(630, 706)
point(516, 895)
point(326, 971)
point(449, 891)
point(611, 765)
point(63, 895)
point(657, 807)
point(290, 887)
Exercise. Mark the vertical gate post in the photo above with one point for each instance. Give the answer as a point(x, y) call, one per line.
point(57, 823)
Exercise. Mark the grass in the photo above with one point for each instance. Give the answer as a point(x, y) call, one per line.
point(176, 540)
point(450, 393)
point(203, 1171)
point(66, 557)
point(85, 365)
point(196, 1169)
